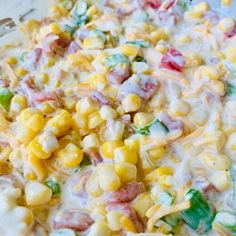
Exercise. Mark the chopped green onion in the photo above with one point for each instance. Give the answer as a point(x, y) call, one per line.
point(79, 13)
point(231, 90)
point(146, 129)
point(200, 215)
point(22, 56)
point(116, 59)
point(185, 4)
point(166, 198)
point(172, 220)
point(85, 162)
point(63, 232)
point(82, 20)
point(141, 43)
point(54, 186)
point(70, 29)
point(5, 98)
point(140, 59)
point(99, 33)
point(227, 220)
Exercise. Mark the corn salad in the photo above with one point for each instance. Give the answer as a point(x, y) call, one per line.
point(119, 118)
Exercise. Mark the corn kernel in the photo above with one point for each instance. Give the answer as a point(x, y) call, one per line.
point(3, 123)
point(141, 119)
point(37, 194)
point(192, 59)
point(158, 35)
point(70, 156)
point(179, 108)
point(156, 153)
point(37, 167)
point(226, 25)
point(97, 81)
point(126, 171)
point(92, 186)
point(56, 11)
point(127, 224)
point(130, 50)
point(132, 143)
point(192, 15)
point(23, 134)
point(48, 29)
point(59, 123)
point(231, 54)
point(165, 181)
point(107, 148)
point(93, 42)
point(21, 71)
point(11, 60)
point(125, 154)
point(142, 203)
point(201, 7)
point(94, 120)
point(226, 3)
point(209, 72)
point(86, 106)
point(90, 141)
point(99, 228)
point(79, 60)
point(161, 48)
point(47, 108)
point(79, 121)
point(107, 177)
point(107, 113)
point(131, 102)
point(92, 11)
point(163, 170)
point(32, 118)
point(200, 117)
point(18, 103)
point(221, 180)
point(184, 39)
point(113, 220)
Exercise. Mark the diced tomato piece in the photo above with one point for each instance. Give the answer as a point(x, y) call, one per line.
point(155, 4)
point(173, 60)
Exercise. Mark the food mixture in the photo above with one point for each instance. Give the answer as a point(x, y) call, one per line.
point(118, 118)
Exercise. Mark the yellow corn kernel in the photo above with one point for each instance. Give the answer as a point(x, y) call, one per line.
point(142, 203)
point(79, 121)
point(56, 11)
point(70, 156)
point(156, 153)
point(107, 113)
point(59, 123)
point(11, 60)
point(4, 153)
point(37, 194)
point(131, 102)
point(226, 3)
point(130, 50)
point(18, 103)
point(231, 54)
point(99, 228)
point(184, 39)
point(113, 220)
point(192, 15)
point(192, 59)
point(79, 60)
point(127, 172)
point(226, 24)
point(30, 26)
point(107, 148)
point(161, 48)
point(29, 174)
point(165, 181)
point(93, 11)
point(158, 35)
point(163, 170)
point(94, 120)
point(70, 104)
point(107, 177)
point(132, 143)
point(221, 180)
point(86, 106)
point(35, 148)
point(92, 186)
point(44, 78)
point(47, 108)
point(97, 81)
point(127, 224)
point(23, 134)
point(199, 117)
point(141, 119)
point(50, 62)
point(37, 166)
point(21, 71)
point(201, 7)
point(3, 123)
point(93, 42)
point(91, 141)
point(32, 118)
point(219, 87)
point(209, 72)
point(48, 29)
point(179, 108)
point(125, 154)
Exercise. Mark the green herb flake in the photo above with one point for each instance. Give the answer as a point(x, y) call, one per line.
point(141, 43)
point(140, 59)
point(185, 4)
point(54, 186)
point(85, 162)
point(231, 90)
point(5, 98)
point(117, 59)
point(146, 129)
